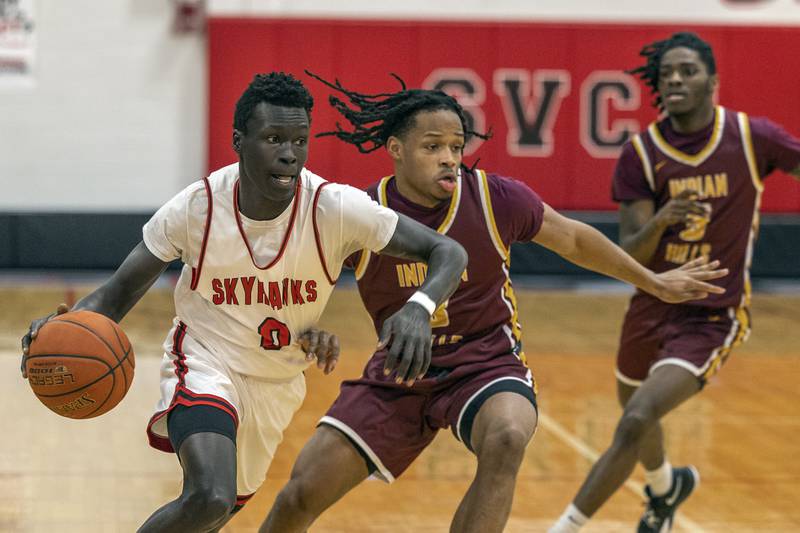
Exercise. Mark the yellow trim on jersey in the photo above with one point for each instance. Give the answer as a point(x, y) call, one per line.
point(455, 200)
point(648, 169)
point(750, 156)
point(382, 198)
point(363, 261)
point(749, 152)
point(486, 201)
point(741, 322)
point(510, 297)
point(702, 155)
point(507, 293)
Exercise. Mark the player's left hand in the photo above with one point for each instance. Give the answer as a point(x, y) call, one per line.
point(688, 282)
point(323, 346)
point(407, 333)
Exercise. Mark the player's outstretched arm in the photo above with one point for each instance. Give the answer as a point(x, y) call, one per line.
point(115, 297)
point(407, 333)
point(583, 245)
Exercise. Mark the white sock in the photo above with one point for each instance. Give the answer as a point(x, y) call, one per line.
point(660, 479)
point(570, 522)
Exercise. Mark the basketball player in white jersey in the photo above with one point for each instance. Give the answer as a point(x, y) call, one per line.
point(262, 242)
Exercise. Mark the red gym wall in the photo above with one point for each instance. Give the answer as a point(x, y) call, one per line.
point(553, 94)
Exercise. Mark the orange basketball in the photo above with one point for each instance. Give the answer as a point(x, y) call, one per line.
point(80, 365)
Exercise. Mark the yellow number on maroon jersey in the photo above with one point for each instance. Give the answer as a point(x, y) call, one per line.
point(696, 225)
point(440, 319)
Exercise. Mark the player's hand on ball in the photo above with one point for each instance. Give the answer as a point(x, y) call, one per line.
point(322, 345)
point(36, 325)
point(688, 282)
point(407, 333)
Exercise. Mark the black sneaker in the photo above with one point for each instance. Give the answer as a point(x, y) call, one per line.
point(661, 509)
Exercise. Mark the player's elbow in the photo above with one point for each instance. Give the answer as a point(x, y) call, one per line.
point(457, 255)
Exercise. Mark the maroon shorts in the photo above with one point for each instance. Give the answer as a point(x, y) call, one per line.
point(391, 424)
point(696, 338)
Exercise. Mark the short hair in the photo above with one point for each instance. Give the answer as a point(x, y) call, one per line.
point(649, 72)
point(276, 88)
point(376, 117)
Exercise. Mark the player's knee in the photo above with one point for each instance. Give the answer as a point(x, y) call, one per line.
point(295, 498)
point(633, 426)
point(504, 446)
point(209, 505)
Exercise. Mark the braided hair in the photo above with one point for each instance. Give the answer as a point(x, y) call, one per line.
point(276, 88)
point(376, 117)
point(649, 72)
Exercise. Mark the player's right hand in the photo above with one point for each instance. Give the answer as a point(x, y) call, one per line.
point(35, 326)
point(407, 333)
point(320, 345)
point(682, 208)
point(689, 282)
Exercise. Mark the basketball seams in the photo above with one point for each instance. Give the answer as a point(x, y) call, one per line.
point(126, 352)
point(110, 348)
point(93, 332)
point(110, 392)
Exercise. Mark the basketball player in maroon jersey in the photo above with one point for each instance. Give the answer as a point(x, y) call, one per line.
point(478, 383)
point(690, 186)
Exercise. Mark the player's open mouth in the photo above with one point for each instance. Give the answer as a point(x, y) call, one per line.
point(676, 97)
point(447, 182)
point(284, 181)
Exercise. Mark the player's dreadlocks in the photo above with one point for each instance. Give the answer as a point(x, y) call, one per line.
point(376, 117)
point(656, 50)
point(277, 88)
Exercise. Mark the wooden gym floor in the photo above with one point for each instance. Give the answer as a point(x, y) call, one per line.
point(742, 432)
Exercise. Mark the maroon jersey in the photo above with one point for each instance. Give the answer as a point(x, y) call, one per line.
point(485, 214)
point(724, 164)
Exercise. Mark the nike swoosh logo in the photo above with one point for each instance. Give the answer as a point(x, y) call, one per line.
point(671, 500)
point(659, 165)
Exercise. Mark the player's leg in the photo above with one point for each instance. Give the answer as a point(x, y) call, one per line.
point(658, 470)
point(374, 426)
point(665, 389)
point(651, 452)
point(208, 460)
point(328, 467)
point(500, 433)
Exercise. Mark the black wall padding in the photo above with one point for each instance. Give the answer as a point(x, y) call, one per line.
point(99, 241)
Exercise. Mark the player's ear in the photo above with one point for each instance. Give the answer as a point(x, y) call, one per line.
point(394, 146)
point(237, 141)
point(713, 83)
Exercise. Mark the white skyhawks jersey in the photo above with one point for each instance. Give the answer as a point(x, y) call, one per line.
point(250, 312)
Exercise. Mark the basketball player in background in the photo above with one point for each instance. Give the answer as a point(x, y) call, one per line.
point(262, 242)
point(690, 186)
point(479, 383)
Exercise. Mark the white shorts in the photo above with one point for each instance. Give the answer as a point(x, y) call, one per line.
point(261, 410)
